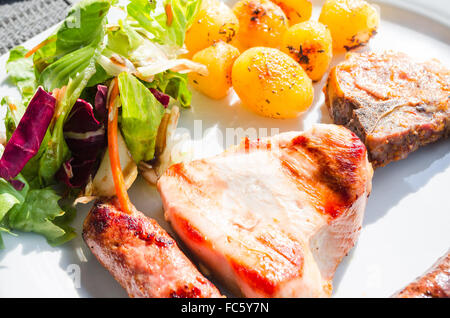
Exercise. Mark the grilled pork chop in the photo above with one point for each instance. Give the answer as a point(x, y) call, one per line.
point(141, 256)
point(392, 103)
point(435, 283)
point(273, 217)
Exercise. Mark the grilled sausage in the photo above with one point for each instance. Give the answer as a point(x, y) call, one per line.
point(141, 256)
point(435, 283)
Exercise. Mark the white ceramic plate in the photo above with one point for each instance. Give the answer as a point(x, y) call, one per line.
point(407, 220)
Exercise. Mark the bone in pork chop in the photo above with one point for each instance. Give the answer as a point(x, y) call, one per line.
point(141, 256)
point(273, 217)
point(392, 103)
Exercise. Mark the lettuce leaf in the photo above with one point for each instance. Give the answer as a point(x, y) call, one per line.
point(9, 197)
point(151, 15)
point(14, 112)
point(21, 72)
point(34, 210)
point(124, 40)
point(71, 48)
point(82, 26)
point(58, 74)
point(141, 116)
point(173, 84)
point(39, 213)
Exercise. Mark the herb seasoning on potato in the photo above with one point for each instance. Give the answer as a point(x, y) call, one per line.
point(271, 83)
point(310, 44)
point(352, 22)
point(261, 23)
point(215, 22)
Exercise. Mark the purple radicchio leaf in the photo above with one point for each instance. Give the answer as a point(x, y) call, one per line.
point(75, 172)
point(27, 138)
point(83, 133)
point(85, 137)
point(100, 103)
point(17, 184)
point(161, 97)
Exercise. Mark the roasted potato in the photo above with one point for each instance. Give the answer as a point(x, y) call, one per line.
point(219, 59)
point(271, 83)
point(352, 22)
point(295, 10)
point(215, 22)
point(261, 23)
point(310, 44)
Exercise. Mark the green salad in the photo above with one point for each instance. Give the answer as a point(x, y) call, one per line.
point(96, 97)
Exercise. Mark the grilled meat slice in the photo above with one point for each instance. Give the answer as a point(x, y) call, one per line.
point(435, 283)
point(392, 103)
point(273, 217)
point(141, 256)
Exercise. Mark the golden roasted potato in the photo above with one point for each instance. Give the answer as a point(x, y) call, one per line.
point(261, 23)
point(296, 10)
point(310, 44)
point(271, 83)
point(219, 59)
point(215, 22)
point(352, 22)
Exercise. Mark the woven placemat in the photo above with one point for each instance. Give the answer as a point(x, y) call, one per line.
point(20, 20)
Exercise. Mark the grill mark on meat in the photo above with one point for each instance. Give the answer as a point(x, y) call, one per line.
point(288, 248)
point(337, 173)
point(192, 233)
point(179, 171)
point(303, 185)
point(254, 278)
point(269, 270)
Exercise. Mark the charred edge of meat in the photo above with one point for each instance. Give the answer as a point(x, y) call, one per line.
point(186, 291)
point(104, 217)
point(396, 146)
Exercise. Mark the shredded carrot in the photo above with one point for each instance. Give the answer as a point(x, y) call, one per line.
point(58, 93)
point(119, 183)
point(37, 47)
point(55, 93)
point(169, 14)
